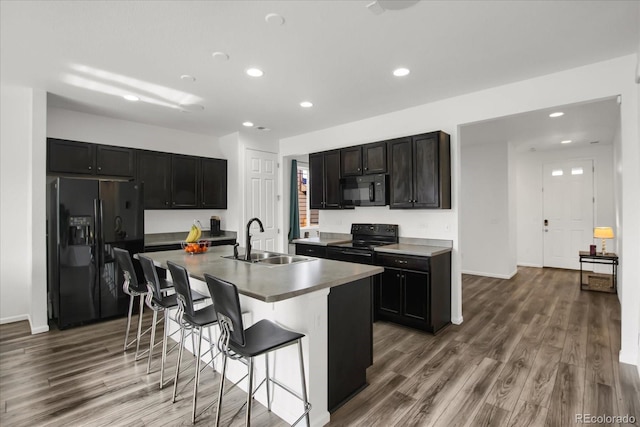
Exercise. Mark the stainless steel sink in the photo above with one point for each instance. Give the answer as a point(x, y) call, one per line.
point(271, 259)
point(283, 259)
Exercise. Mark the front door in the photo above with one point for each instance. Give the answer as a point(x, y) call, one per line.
point(261, 198)
point(568, 212)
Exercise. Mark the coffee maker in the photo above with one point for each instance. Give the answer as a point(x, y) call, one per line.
point(215, 226)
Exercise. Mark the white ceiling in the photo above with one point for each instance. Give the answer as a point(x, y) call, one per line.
point(337, 54)
point(587, 123)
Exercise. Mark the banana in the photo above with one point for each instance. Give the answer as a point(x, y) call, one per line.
point(198, 233)
point(191, 237)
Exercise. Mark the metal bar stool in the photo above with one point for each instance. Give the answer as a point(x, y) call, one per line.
point(196, 320)
point(133, 288)
point(261, 338)
point(158, 301)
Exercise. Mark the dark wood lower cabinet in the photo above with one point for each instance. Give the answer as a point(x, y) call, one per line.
point(350, 349)
point(419, 295)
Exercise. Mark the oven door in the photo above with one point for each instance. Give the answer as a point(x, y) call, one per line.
point(359, 256)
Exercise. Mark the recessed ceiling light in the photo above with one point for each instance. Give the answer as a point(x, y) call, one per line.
point(566, 141)
point(255, 72)
point(188, 78)
point(401, 72)
point(247, 124)
point(556, 114)
point(274, 19)
point(220, 56)
point(306, 104)
point(131, 97)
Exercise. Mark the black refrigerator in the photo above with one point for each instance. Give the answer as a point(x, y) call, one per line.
point(86, 220)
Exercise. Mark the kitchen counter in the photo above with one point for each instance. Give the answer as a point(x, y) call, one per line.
point(329, 301)
point(321, 241)
point(268, 283)
point(164, 239)
point(409, 249)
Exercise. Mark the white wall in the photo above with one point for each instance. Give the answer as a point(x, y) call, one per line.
point(22, 188)
point(78, 126)
point(595, 81)
point(485, 242)
point(529, 195)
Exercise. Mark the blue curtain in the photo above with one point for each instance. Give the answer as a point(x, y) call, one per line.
point(294, 214)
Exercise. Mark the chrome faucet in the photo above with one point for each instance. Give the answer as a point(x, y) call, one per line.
point(247, 246)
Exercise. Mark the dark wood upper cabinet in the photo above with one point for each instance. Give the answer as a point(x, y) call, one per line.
point(401, 173)
point(70, 157)
point(115, 161)
point(154, 171)
point(374, 158)
point(351, 161)
point(420, 171)
point(82, 158)
point(213, 193)
point(324, 174)
point(185, 174)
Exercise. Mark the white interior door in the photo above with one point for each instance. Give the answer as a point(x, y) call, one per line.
point(261, 198)
point(568, 212)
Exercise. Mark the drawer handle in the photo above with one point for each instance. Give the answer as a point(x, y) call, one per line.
point(401, 262)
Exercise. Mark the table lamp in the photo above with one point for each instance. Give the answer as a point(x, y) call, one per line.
point(603, 233)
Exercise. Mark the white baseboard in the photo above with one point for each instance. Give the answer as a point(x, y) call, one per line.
point(14, 319)
point(456, 320)
point(485, 274)
point(34, 329)
point(528, 264)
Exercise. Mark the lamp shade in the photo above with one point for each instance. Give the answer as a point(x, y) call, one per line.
point(603, 233)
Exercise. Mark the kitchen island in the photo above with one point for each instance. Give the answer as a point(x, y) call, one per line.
point(328, 301)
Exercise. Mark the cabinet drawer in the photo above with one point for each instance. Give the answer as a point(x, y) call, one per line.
point(403, 261)
point(311, 250)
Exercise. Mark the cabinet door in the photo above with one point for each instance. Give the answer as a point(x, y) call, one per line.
point(425, 158)
point(374, 158)
point(351, 161)
point(213, 184)
point(115, 161)
point(332, 193)
point(391, 291)
point(185, 171)
point(416, 295)
point(154, 170)
point(316, 180)
point(71, 157)
point(401, 173)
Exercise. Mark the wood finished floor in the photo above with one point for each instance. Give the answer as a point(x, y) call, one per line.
point(533, 350)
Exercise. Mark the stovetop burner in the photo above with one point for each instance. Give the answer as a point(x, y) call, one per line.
point(368, 236)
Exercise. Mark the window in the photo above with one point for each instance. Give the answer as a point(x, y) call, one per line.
point(308, 217)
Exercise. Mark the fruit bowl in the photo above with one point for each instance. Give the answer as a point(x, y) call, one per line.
point(194, 248)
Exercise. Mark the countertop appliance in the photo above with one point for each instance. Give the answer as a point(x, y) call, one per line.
point(364, 238)
point(365, 190)
point(86, 220)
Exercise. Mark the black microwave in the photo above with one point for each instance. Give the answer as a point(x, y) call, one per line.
point(366, 190)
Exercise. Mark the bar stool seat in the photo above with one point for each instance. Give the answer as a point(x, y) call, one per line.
point(263, 337)
point(238, 343)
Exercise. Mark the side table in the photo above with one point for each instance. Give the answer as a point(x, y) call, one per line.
point(602, 282)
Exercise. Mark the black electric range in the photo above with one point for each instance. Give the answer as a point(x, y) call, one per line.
point(364, 238)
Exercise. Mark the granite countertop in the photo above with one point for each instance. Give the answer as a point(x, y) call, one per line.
point(410, 249)
point(321, 241)
point(263, 282)
point(159, 239)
